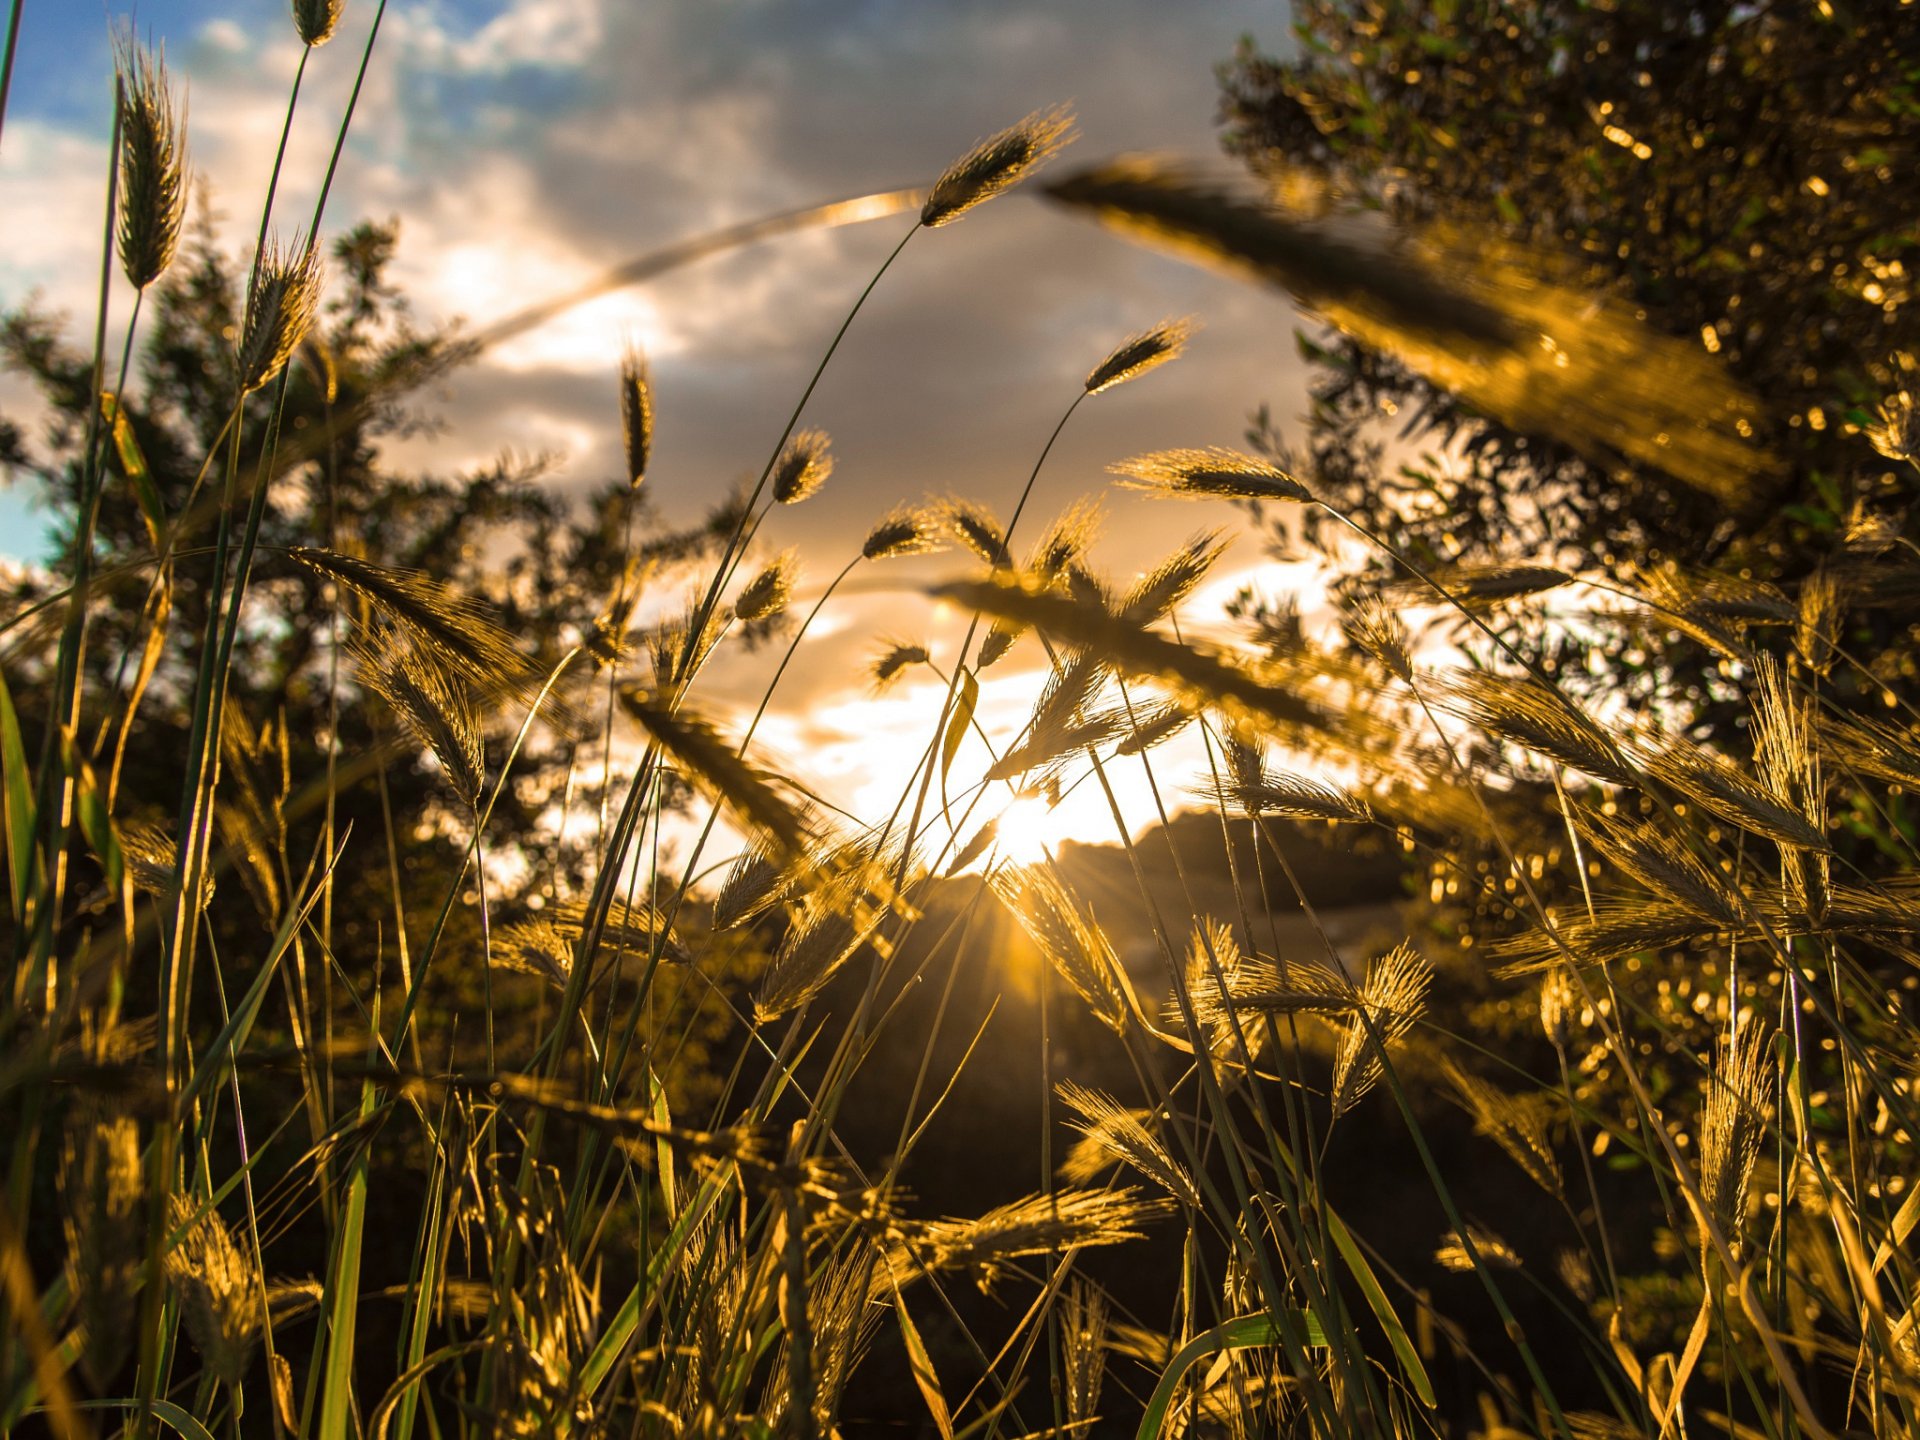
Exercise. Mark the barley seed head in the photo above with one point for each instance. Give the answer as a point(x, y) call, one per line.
point(153, 202)
point(315, 19)
point(280, 307)
point(803, 467)
point(1212, 473)
point(1140, 353)
point(767, 594)
point(996, 164)
point(636, 413)
point(906, 531)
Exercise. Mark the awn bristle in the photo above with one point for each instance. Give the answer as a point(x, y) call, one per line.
point(1117, 1135)
point(636, 414)
point(906, 531)
point(1138, 354)
point(1072, 943)
point(1393, 996)
point(315, 19)
point(766, 594)
point(1214, 473)
point(220, 1292)
point(434, 705)
point(803, 467)
point(281, 304)
point(997, 164)
point(153, 199)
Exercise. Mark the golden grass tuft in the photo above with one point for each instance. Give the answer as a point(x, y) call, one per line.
point(1137, 354)
point(1213, 473)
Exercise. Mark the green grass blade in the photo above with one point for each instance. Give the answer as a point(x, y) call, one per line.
point(16, 794)
point(1240, 1334)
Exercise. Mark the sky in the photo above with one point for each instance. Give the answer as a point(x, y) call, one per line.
point(528, 145)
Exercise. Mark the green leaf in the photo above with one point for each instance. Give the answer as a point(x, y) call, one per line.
point(90, 811)
point(18, 803)
point(962, 718)
point(1382, 1308)
point(133, 464)
point(921, 1364)
point(1240, 1334)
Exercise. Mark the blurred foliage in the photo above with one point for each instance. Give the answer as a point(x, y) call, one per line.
point(1741, 174)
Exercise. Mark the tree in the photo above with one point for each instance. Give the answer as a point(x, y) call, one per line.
point(1737, 172)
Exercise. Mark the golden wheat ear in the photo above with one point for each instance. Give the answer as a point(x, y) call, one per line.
point(1137, 354)
point(804, 465)
point(433, 704)
point(281, 304)
point(1076, 946)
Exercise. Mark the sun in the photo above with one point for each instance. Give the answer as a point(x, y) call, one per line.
point(1028, 830)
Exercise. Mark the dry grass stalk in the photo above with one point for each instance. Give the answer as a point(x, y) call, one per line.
point(1481, 585)
point(153, 180)
point(1663, 862)
point(1787, 760)
point(219, 1289)
point(1070, 940)
point(1717, 786)
point(1470, 311)
point(752, 884)
point(973, 526)
point(1392, 996)
point(1379, 631)
point(1116, 1135)
point(997, 164)
point(1295, 796)
point(315, 19)
point(636, 414)
point(1214, 473)
point(281, 304)
point(1137, 354)
point(835, 920)
point(1153, 726)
